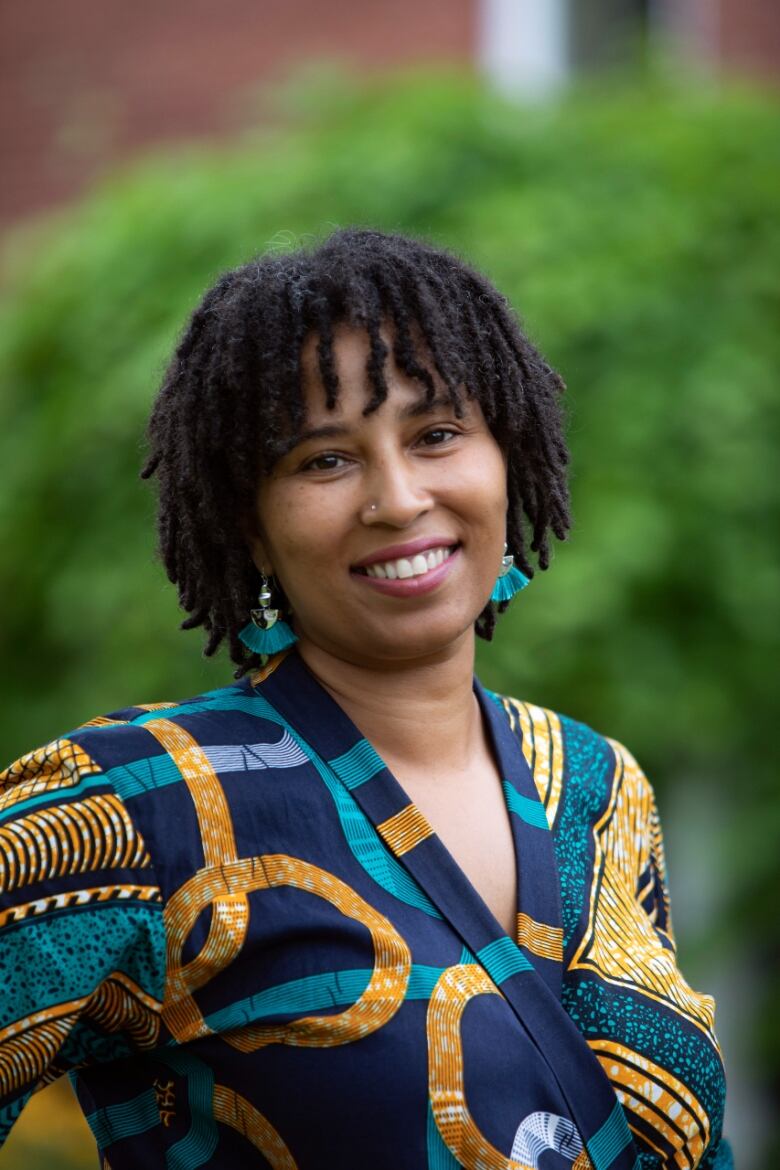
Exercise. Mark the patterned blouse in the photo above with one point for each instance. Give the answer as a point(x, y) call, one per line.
point(229, 922)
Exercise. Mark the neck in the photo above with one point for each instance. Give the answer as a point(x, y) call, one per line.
point(420, 716)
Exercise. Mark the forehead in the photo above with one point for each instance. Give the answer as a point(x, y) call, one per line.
point(351, 349)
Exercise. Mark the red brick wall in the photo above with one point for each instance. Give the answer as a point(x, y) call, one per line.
point(731, 37)
point(749, 37)
point(85, 82)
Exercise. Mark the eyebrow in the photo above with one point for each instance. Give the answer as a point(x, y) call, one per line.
point(338, 430)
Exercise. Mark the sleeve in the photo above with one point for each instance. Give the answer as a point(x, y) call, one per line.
point(82, 947)
point(642, 846)
point(652, 887)
point(719, 1156)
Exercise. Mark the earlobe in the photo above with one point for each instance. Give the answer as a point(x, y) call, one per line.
point(260, 557)
point(256, 548)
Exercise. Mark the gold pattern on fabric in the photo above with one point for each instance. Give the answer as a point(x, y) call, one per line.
point(90, 834)
point(230, 914)
point(119, 1004)
point(234, 1110)
point(30, 1045)
point(406, 829)
point(59, 764)
point(446, 1088)
point(542, 745)
point(545, 941)
point(234, 881)
point(620, 943)
point(655, 1095)
point(658, 860)
point(208, 795)
point(109, 721)
point(73, 898)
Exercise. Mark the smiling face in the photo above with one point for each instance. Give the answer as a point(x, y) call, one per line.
point(385, 531)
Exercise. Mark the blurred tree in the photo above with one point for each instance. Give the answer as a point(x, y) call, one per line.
point(51, 1135)
point(634, 228)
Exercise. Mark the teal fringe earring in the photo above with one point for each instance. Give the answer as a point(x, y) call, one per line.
point(266, 634)
point(510, 580)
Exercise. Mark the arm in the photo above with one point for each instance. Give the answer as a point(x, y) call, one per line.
point(82, 950)
point(651, 892)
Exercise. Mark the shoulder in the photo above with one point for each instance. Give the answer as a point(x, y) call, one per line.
point(541, 724)
point(573, 764)
point(105, 751)
point(599, 804)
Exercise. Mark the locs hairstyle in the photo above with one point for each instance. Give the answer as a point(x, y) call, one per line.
point(231, 401)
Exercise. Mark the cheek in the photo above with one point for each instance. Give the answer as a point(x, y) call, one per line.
point(485, 485)
point(283, 514)
point(302, 536)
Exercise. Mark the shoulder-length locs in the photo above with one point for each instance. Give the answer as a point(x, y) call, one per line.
point(232, 400)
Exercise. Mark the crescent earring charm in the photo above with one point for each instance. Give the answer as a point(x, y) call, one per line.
point(266, 633)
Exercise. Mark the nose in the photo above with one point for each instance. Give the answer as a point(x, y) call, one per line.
point(395, 493)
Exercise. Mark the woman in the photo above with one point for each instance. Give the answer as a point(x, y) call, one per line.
point(352, 909)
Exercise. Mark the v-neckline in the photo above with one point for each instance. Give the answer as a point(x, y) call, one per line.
point(537, 943)
point(527, 971)
point(446, 796)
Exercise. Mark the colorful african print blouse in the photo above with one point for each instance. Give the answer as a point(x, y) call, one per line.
point(228, 921)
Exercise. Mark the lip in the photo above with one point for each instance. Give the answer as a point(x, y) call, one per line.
point(394, 551)
point(411, 586)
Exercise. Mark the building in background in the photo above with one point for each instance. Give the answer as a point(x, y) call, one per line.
point(89, 83)
point(532, 47)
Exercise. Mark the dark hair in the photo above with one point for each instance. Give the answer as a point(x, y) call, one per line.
point(231, 399)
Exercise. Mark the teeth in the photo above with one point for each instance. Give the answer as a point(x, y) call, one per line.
point(406, 567)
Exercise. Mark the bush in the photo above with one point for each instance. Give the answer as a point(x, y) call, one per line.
point(636, 231)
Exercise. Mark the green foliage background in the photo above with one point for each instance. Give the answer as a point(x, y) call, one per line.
point(635, 228)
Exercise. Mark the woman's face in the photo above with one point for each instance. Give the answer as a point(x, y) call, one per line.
point(385, 531)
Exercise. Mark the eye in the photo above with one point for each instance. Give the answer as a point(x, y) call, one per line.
point(327, 461)
point(437, 436)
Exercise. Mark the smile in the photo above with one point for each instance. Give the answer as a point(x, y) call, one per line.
point(405, 567)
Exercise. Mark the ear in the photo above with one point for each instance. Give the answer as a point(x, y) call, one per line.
point(256, 546)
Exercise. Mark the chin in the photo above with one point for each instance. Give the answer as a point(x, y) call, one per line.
point(414, 641)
